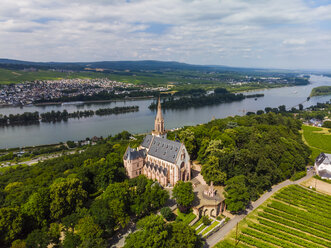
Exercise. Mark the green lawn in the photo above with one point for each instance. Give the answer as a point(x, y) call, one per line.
point(186, 218)
point(294, 217)
point(210, 227)
point(318, 142)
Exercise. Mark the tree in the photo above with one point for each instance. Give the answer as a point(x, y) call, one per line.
point(54, 233)
point(183, 235)
point(211, 171)
point(183, 193)
point(87, 230)
point(102, 215)
point(18, 244)
point(166, 213)
point(11, 225)
point(148, 196)
point(38, 206)
point(188, 138)
point(71, 240)
point(38, 238)
point(300, 107)
point(66, 196)
point(236, 194)
point(118, 197)
point(153, 233)
point(205, 220)
point(327, 124)
point(282, 108)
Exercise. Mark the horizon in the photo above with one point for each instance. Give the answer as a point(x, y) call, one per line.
point(303, 70)
point(256, 34)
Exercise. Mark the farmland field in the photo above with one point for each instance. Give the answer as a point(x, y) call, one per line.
point(295, 217)
point(319, 139)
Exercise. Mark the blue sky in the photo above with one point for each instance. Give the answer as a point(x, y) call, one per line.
point(293, 34)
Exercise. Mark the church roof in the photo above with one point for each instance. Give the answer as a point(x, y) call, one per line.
point(162, 148)
point(132, 154)
point(147, 141)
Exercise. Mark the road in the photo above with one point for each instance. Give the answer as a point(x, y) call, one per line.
point(41, 158)
point(218, 236)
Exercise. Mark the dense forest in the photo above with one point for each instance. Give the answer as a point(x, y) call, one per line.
point(85, 195)
point(53, 116)
point(198, 99)
point(247, 154)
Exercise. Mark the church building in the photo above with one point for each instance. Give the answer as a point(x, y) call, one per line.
point(158, 158)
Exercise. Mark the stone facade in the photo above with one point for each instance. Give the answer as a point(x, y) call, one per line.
point(158, 158)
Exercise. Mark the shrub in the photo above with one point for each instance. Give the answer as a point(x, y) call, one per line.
point(298, 175)
point(166, 213)
point(206, 221)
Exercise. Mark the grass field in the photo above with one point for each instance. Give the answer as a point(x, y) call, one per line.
point(319, 139)
point(295, 217)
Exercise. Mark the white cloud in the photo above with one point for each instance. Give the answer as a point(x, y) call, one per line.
point(294, 42)
point(193, 31)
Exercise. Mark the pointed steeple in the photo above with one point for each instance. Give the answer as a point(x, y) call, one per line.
point(159, 121)
point(159, 111)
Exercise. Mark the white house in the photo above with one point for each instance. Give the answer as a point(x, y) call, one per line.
point(323, 165)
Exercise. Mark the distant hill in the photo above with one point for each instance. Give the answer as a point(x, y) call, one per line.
point(144, 65)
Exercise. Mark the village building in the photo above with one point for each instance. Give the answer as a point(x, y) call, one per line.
point(158, 158)
point(323, 165)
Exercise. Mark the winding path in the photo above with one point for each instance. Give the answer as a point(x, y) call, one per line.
point(218, 236)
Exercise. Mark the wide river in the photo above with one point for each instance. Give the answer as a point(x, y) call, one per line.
point(143, 121)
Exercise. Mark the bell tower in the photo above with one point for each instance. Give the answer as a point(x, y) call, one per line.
point(159, 129)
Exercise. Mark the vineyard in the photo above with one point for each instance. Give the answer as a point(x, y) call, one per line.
point(295, 217)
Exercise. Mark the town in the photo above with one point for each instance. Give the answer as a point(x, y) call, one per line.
point(28, 93)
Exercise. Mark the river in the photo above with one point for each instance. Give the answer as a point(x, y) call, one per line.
point(143, 121)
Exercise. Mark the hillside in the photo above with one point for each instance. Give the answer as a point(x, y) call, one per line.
point(295, 217)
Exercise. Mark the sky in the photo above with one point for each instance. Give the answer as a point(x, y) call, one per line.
point(292, 34)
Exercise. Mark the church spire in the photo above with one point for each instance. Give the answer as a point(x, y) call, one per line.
point(159, 121)
point(159, 111)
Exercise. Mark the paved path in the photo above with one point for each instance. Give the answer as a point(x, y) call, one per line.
point(218, 236)
point(41, 158)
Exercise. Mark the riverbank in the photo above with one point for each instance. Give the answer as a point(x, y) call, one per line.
point(81, 102)
point(142, 121)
